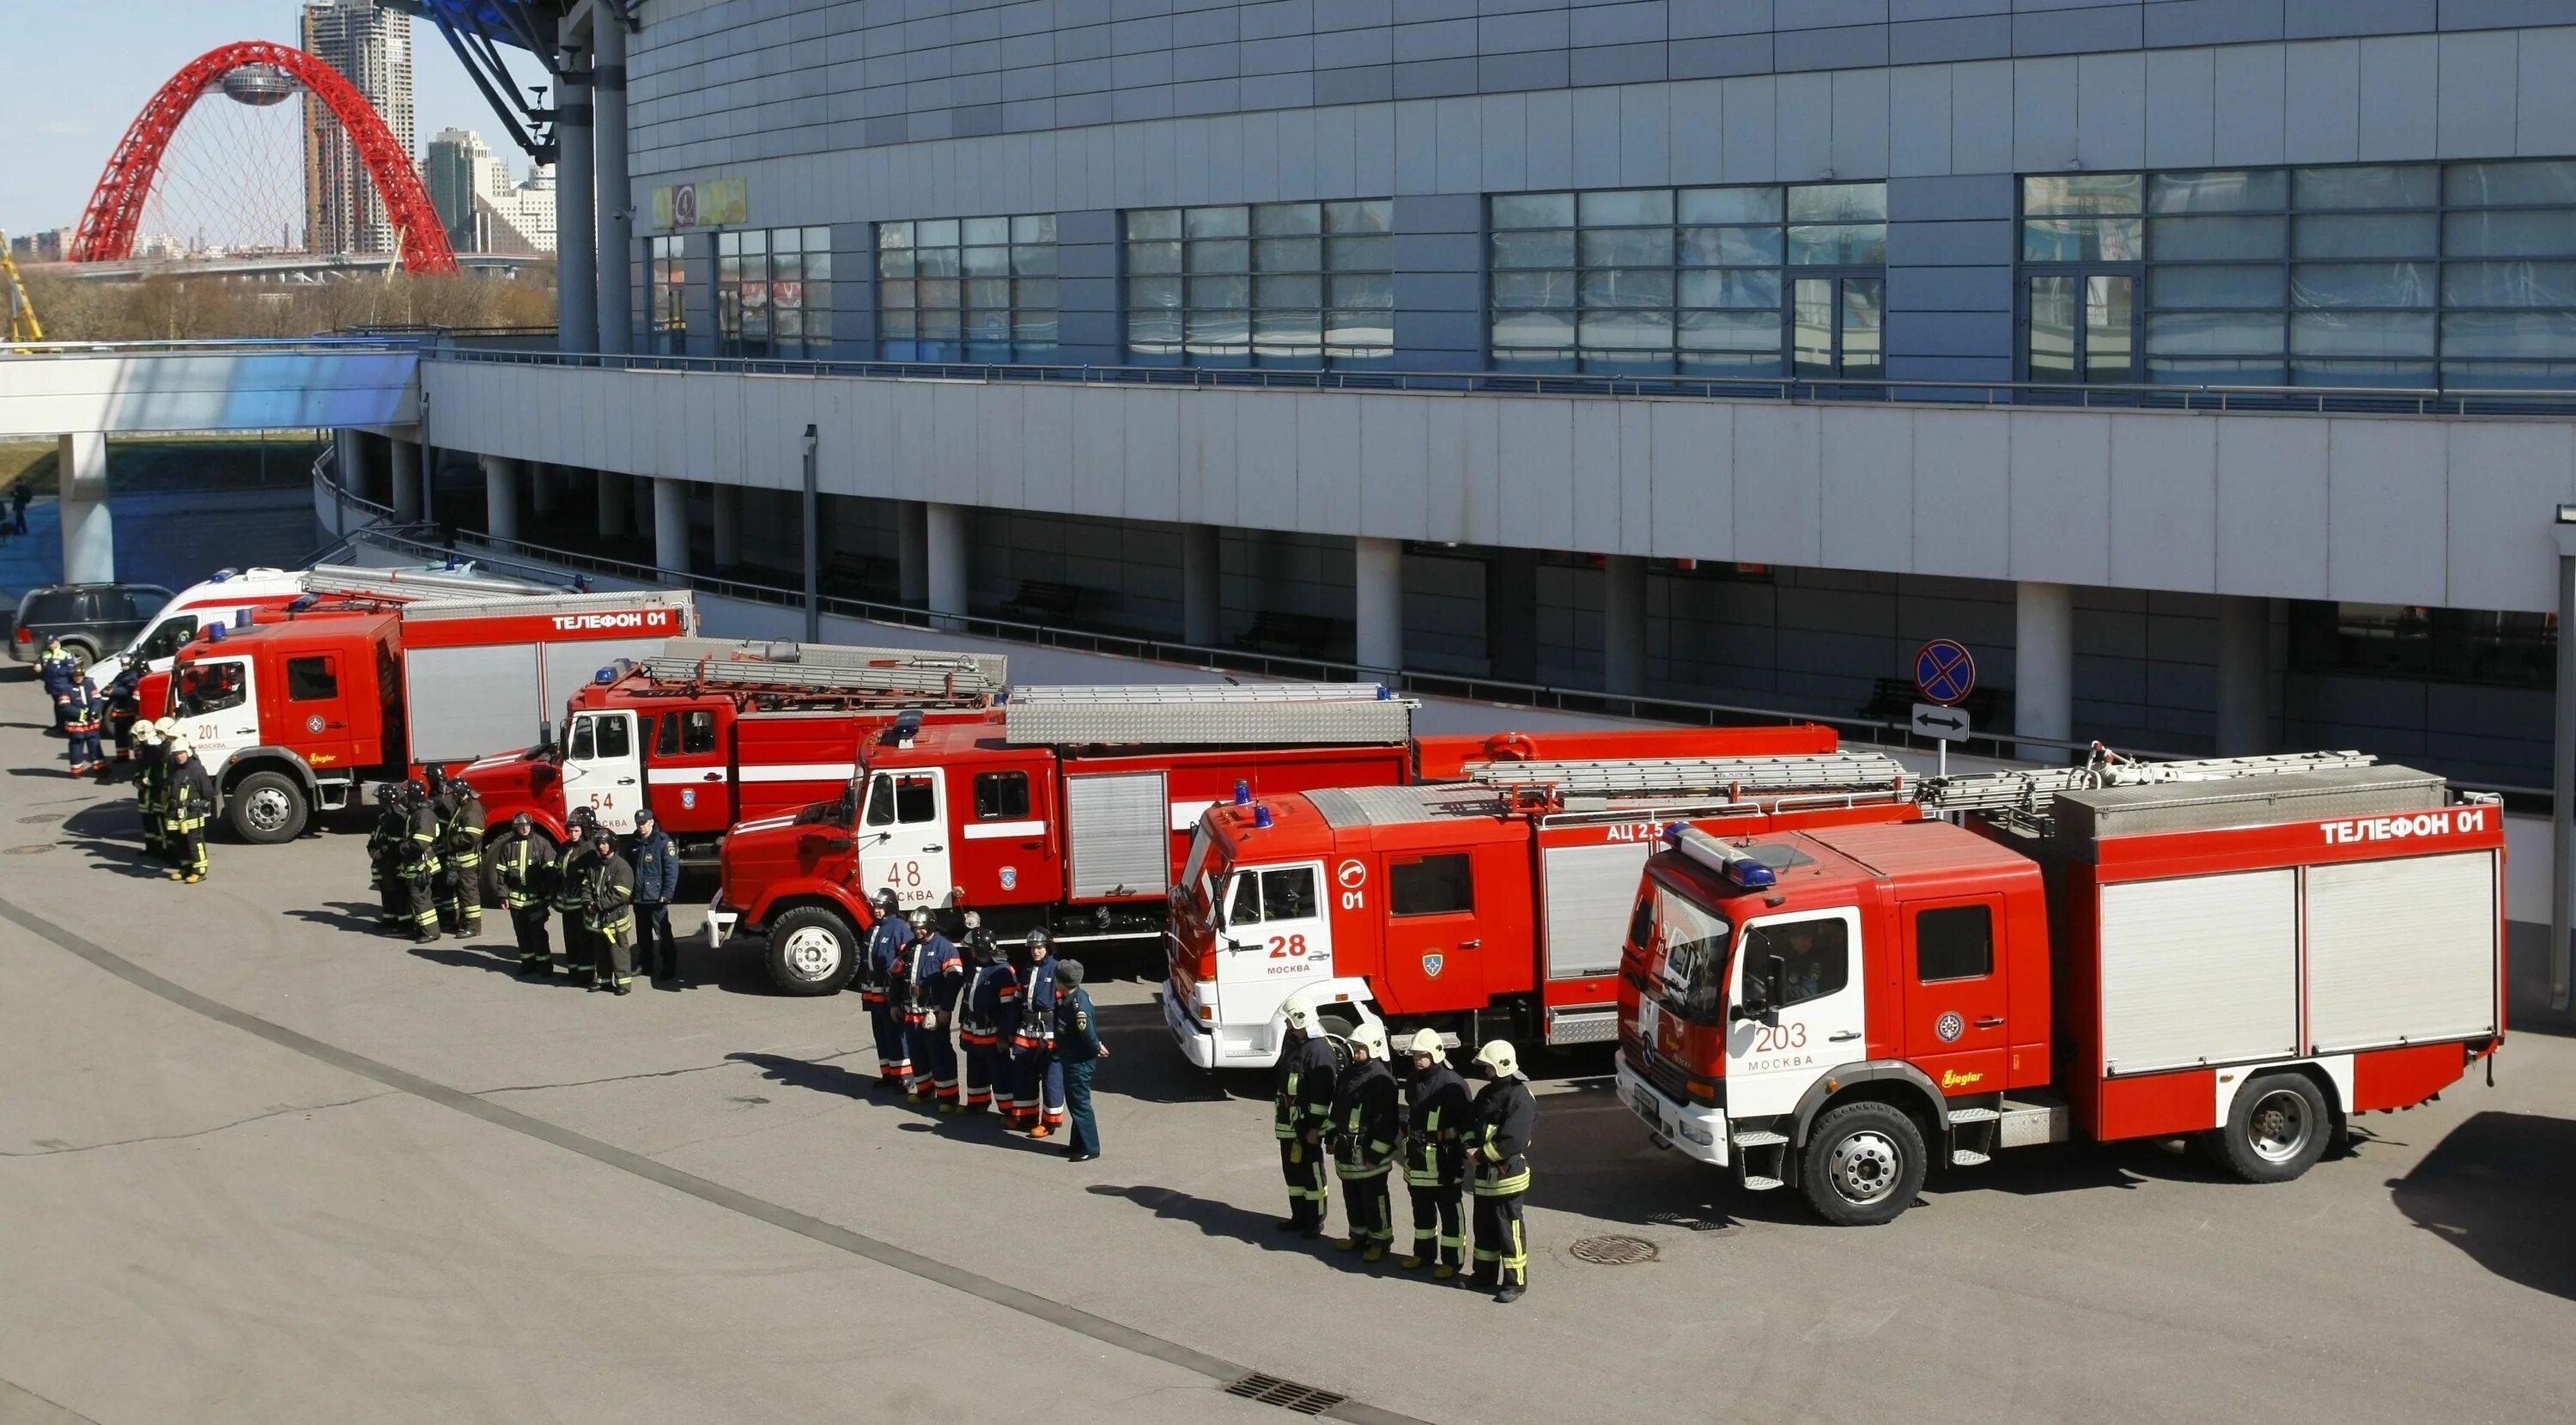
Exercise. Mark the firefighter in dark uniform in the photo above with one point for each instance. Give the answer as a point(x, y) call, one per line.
point(1363, 1138)
point(1498, 1141)
point(460, 877)
point(385, 856)
point(581, 961)
point(886, 942)
point(992, 997)
point(84, 718)
point(1037, 1093)
point(187, 805)
point(125, 707)
point(1435, 1156)
point(1301, 1106)
point(657, 879)
point(1079, 1050)
point(608, 912)
point(926, 990)
point(525, 863)
point(151, 767)
point(419, 864)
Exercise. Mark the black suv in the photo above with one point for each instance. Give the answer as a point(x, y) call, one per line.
point(90, 619)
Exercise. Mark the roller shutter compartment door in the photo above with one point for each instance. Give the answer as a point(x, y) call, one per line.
point(2401, 952)
point(1116, 835)
point(470, 702)
point(2200, 970)
point(1590, 891)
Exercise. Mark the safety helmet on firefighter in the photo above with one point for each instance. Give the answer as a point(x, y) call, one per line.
point(1038, 939)
point(1372, 1038)
point(167, 725)
point(1498, 1061)
point(179, 747)
point(920, 917)
point(147, 735)
point(415, 793)
point(602, 836)
point(465, 792)
point(886, 903)
point(1426, 1041)
point(1300, 1012)
point(979, 945)
point(522, 823)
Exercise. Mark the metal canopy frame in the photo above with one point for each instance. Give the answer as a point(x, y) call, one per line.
point(477, 31)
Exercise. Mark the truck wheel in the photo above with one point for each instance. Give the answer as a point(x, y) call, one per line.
point(267, 808)
point(2277, 1130)
point(812, 951)
point(1863, 1164)
point(82, 655)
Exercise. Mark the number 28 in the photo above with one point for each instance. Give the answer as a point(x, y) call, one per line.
point(1287, 947)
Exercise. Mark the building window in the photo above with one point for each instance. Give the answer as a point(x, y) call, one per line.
point(967, 289)
point(2496, 649)
point(1720, 282)
point(2408, 275)
point(774, 293)
point(1271, 284)
point(666, 311)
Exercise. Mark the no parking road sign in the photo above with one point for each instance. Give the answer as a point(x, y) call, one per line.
point(1944, 673)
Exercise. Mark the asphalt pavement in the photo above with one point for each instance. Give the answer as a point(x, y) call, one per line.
point(258, 1163)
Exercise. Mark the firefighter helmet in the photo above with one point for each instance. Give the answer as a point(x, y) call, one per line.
point(522, 823)
point(886, 903)
point(980, 946)
point(1426, 1041)
point(1498, 1060)
point(1038, 939)
point(1372, 1038)
point(920, 917)
point(147, 735)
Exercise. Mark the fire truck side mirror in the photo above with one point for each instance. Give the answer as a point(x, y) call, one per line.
point(835, 844)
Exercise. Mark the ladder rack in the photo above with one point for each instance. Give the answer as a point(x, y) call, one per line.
point(992, 670)
point(1729, 776)
point(931, 682)
point(2033, 791)
point(357, 579)
point(552, 601)
point(1210, 714)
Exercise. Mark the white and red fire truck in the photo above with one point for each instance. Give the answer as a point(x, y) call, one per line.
point(1074, 807)
point(297, 710)
point(1489, 906)
point(221, 597)
point(2247, 952)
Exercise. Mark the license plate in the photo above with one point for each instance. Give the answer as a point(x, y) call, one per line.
point(1647, 1106)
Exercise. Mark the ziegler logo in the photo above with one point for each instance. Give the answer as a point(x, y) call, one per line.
point(570, 622)
point(1953, 1079)
point(2393, 828)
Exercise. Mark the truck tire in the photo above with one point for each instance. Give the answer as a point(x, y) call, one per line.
point(267, 808)
point(1863, 1164)
point(82, 655)
point(812, 951)
point(2277, 1130)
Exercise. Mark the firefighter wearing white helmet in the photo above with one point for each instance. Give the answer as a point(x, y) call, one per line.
point(1498, 1140)
point(1363, 1139)
point(189, 803)
point(151, 768)
point(1435, 1156)
point(1301, 1108)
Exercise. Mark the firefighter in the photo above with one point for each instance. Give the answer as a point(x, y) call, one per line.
point(1498, 1140)
point(1037, 1092)
point(1079, 1050)
point(525, 863)
point(419, 864)
point(992, 997)
point(657, 879)
point(125, 707)
point(927, 988)
point(147, 786)
point(886, 943)
point(385, 847)
point(1435, 1157)
point(1363, 1140)
point(59, 670)
point(580, 960)
point(189, 802)
point(608, 913)
point(1301, 1103)
point(84, 717)
point(460, 846)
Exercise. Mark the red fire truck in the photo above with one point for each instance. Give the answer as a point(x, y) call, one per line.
point(296, 711)
point(713, 732)
point(2245, 952)
point(1075, 809)
point(1493, 905)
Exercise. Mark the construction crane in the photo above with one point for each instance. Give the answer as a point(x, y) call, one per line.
point(23, 325)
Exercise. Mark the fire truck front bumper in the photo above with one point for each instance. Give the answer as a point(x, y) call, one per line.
point(721, 920)
point(1693, 1131)
point(1209, 1045)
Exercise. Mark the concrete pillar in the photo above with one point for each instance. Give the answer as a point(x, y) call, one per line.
point(89, 529)
point(1202, 586)
point(576, 231)
point(670, 523)
point(2044, 664)
point(407, 477)
point(944, 557)
point(728, 524)
point(349, 460)
point(614, 499)
point(616, 195)
point(1623, 623)
point(500, 497)
point(1511, 616)
point(911, 553)
point(2244, 675)
point(1377, 602)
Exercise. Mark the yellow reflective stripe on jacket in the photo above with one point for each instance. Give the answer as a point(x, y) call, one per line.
point(1511, 1186)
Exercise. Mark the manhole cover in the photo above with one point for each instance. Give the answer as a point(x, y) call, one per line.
point(30, 850)
point(1288, 1395)
point(1613, 1251)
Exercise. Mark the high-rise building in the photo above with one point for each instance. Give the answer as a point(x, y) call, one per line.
point(482, 208)
point(371, 47)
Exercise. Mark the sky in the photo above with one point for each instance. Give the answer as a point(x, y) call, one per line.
point(79, 70)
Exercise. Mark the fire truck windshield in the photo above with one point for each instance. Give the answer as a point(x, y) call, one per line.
point(836, 812)
point(1692, 943)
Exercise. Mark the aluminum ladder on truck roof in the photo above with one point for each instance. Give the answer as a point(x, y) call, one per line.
point(992, 670)
point(2033, 791)
point(553, 602)
point(351, 579)
point(927, 679)
point(1730, 776)
point(1210, 714)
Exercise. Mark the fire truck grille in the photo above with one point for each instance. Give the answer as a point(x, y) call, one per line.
point(1613, 1251)
point(1288, 1395)
point(1663, 1073)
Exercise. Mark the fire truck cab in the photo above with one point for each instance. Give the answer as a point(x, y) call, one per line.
point(2247, 960)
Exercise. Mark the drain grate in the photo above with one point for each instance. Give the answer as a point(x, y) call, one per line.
point(1689, 1223)
point(1288, 1395)
point(1613, 1251)
point(31, 849)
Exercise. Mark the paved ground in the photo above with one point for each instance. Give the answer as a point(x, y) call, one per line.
point(257, 1163)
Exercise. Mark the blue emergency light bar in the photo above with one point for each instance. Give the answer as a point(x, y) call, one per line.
point(1735, 864)
point(1242, 793)
point(1261, 817)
